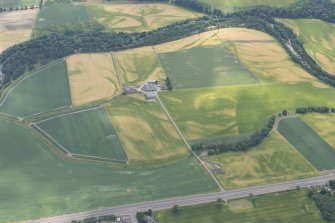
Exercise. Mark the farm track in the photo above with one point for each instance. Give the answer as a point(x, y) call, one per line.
point(188, 145)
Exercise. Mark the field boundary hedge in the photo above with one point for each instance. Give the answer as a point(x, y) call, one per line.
point(242, 144)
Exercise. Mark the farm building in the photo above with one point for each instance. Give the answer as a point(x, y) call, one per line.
point(1, 74)
point(149, 87)
point(129, 90)
point(153, 82)
point(151, 96)
point(217, 171)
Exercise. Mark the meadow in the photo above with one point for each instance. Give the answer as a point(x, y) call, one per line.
point(41, 91)
point(139, 65)
point(274, 160)
point(220, 67)
point(145, 131)
point(235, 5)
point(57, 14)
point(36, 183)
point(315, 149)
point(92, 78)
point(88, 133)
point(16, 3)
point(323, 124)
point(318, 38)
point(202, 113)
point(138, 17)
point(294, 206)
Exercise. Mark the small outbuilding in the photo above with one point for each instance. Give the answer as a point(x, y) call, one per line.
point(150, 96)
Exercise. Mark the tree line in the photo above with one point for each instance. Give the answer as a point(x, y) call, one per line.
point(26, 56)
point(243, 144)
point(325, 201)
point(315, 109)
point(105, 218)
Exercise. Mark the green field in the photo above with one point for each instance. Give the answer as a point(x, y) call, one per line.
point(294, 206)
point(201, 113)
point(57, 14)
point(205, 66)
point(274, 160)
point(16, 3)
point(43, 91)
point(145, 131)
point(324, 125)
point(318, 38)
point(316, 150)
point(35, 183)
point(139, 65)
point(87, 133)
point(234, 5)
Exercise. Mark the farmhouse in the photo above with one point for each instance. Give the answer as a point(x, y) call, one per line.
point(151, 86)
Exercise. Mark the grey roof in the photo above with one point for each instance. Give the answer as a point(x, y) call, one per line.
point(149, 87)
point(151, 95)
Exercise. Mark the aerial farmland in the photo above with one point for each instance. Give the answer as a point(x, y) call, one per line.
point(184, 111)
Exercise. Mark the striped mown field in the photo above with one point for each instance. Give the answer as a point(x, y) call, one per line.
point(315, 149)
point(88, 133)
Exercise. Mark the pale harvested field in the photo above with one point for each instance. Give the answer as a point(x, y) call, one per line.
point(92, 77)
point(139, 65)
point(211, 38)
point(22, 19)
point(10, 38)
point(324, 125)
point(272, 63)
point(139, 17)
point(145, 131)
point(260, 52)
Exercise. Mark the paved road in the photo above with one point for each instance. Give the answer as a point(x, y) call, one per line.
point(190, 200)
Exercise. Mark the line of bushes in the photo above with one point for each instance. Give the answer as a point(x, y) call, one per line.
point(106, 218)
point(240, 145)
point(10, 9)
point(325, 201)
point(320, 109)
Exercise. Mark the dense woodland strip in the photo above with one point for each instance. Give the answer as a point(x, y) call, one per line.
point(24, 57)
point(325, 200)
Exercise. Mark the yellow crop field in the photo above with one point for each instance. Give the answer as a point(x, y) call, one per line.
point(10, 38)
point(272, 63)
point(145, 131)
point(273, 161)
point(92, 77)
